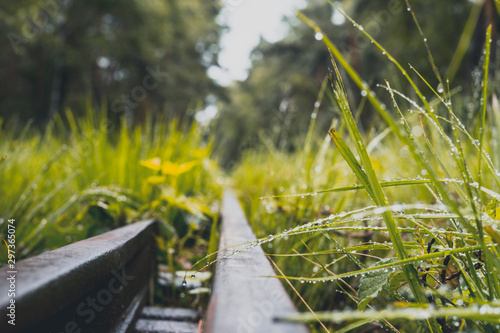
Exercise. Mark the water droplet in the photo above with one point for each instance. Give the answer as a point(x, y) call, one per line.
point(318, 36)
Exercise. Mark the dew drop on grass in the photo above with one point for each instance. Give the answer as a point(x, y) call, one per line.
point(184, 283)
point(318, 36)
point(440, 88)
point(193, 276)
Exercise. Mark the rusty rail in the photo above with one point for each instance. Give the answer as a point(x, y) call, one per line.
point(101, 284)
point(243, 301)
point(96, 285)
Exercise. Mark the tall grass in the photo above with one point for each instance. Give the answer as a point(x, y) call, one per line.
point(399, 222)
point(85, 176)
point(414, 246)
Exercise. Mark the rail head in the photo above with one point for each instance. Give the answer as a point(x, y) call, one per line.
point(243, 301)
point(89, 286)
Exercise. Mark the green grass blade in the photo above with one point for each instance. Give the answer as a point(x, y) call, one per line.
point(429, 54)
point(485, 313)
point(392, 265)
point(486, 69)
point(464, 41)
point(350, 159)
point(382, 110)
point(370, 181)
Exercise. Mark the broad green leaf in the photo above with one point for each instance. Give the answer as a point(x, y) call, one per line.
point(373, 283)
point(396, 280)
point(493, 209)
point(156, 180)
point(493, 233)
point(189, 204)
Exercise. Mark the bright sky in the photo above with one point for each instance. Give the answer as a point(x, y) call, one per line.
point(248, 20)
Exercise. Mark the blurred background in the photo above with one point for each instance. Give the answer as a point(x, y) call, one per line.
point(248, 68)
point(118, 111)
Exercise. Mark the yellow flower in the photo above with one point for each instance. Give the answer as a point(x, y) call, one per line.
point(174, 169)
point(154, 163)
point(169, 168)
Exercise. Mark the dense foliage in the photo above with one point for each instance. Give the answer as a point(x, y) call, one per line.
point(128, 55)
point(277, 98)
point(69, 184)
point(413, 244)
point(388, 219)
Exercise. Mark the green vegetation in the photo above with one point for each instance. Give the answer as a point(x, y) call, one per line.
point(416, 241)
point(129, 56)
point(376, 192)
point(83, 177)
point(286, 76)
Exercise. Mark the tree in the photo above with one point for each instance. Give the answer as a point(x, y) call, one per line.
point(127, 55)
point(286, 76)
